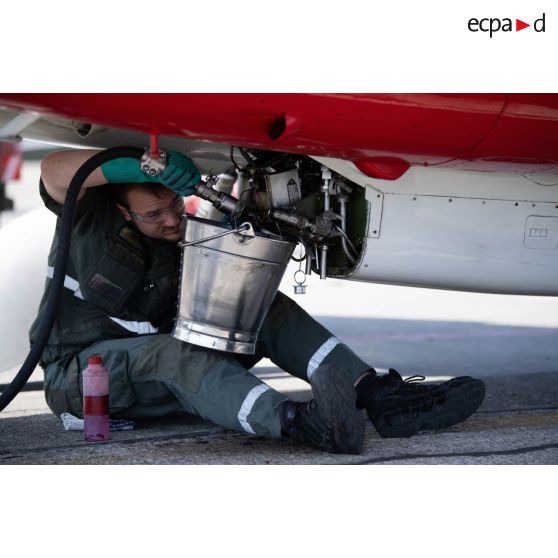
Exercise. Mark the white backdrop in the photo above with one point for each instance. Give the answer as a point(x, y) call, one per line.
point(24, 245)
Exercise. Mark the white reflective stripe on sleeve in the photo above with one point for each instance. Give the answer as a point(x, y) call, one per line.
point(247, 405)
point(69, 282)
point(320, 354)
point(137, 327)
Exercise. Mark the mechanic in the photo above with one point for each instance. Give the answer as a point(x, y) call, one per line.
point(119, 301)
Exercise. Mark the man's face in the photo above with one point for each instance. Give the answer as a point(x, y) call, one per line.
point(156, 217)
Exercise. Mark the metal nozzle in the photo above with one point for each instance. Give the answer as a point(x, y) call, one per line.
point(223, 202)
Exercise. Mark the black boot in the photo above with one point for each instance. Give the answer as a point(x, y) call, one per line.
point(331, 420)
point(373, 387)
point(415, 406)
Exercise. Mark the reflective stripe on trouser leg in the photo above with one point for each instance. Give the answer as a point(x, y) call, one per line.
point(231, 396)
point(333, 351)
point(319, 356)
point(298, 344)
point(247, 406)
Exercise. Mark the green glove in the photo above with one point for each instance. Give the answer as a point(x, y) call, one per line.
point(180, 174)
point(125, 169)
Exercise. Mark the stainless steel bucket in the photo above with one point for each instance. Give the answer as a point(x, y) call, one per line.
point(227, 285)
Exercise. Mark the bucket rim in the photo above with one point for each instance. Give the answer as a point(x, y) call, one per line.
point(267, 235)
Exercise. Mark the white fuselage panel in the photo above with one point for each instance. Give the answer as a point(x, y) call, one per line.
point(471, 231)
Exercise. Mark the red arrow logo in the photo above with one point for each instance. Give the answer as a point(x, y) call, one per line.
point(519, 25)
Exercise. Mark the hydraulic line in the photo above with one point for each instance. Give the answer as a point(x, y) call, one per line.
point(62, 253)
point(342, 199)
point(347, 243)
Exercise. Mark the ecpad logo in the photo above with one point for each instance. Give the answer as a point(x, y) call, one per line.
point(493, 25)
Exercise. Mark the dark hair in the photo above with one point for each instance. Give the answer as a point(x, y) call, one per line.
point(119, 192)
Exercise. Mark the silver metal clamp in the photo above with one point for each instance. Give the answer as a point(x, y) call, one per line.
point(151, 166)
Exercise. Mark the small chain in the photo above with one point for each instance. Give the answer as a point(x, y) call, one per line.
point(300, 287)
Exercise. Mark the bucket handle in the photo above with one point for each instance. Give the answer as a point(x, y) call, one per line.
point(241, 229)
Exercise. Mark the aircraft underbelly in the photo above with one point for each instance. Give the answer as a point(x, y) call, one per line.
point(484, 232)
point(480, 245)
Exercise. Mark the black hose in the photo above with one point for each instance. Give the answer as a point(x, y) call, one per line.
point(65, 235)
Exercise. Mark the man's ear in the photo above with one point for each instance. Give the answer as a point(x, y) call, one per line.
point(125, 213)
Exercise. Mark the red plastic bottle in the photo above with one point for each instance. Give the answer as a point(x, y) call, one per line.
point(95, 401)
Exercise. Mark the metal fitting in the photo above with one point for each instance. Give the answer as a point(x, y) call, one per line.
point(326, 178)
point(225, 203)
point(151, 166)
point(323, 261)
point(292, 219)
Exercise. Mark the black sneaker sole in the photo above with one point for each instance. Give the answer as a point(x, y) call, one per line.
point(335, 397)
point(441, 407)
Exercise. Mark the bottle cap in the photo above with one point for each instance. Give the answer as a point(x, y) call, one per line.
point(96, 359)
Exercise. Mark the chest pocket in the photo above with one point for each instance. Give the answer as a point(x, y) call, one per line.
point(110, 282)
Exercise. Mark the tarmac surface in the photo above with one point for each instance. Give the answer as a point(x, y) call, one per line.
point(510, 342)
point(516, 424)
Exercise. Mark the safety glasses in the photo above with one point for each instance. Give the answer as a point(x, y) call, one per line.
point(176, 207)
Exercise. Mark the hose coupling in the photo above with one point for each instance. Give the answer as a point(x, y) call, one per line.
point(222, 201)
point(153, 166)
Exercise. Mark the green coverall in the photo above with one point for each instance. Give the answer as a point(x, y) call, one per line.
point(119, 301)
